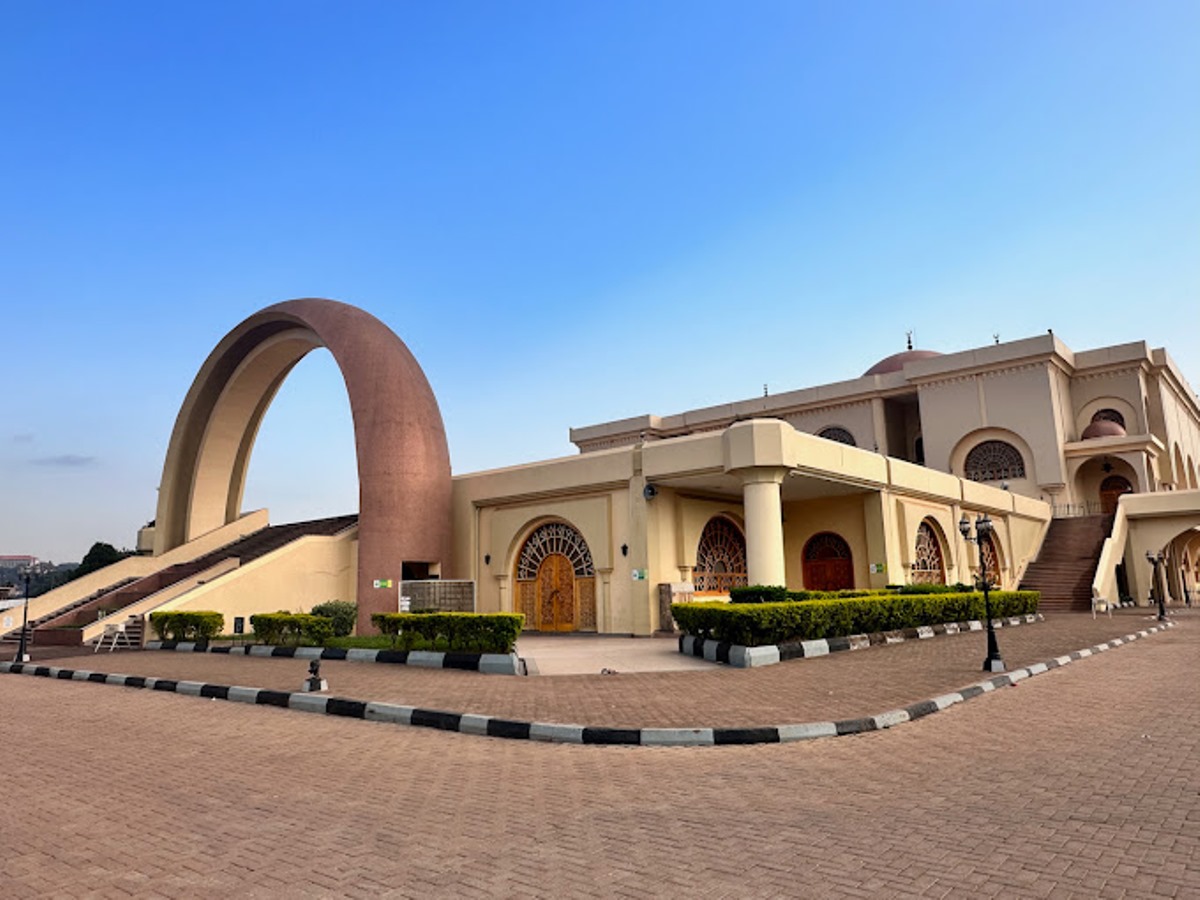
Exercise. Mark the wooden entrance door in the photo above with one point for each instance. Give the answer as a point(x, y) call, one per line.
point(1111, 490)
point(556, 594)
point(828, 563)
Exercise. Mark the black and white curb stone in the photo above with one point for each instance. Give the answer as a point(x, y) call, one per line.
point(488, 663)
point(742, 657)
point(467, 723)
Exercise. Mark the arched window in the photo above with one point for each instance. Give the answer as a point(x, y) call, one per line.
point(836, 433)
point(994, 461)
point(991, 560)
point(1109, 415)
point(721, 557)
point(927, 567)
point(828, 564)
point(555, 537)
point(556, 583)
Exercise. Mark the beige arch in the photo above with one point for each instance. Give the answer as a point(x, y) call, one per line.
point(403, 460)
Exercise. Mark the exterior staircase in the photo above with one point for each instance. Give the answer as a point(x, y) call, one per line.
point(1066, 564)
point(64, 626)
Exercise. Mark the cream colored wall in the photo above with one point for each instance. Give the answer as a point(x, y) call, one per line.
point(294, 578)
point(1022, 401)
point(1027, 486)
point(843, 516)
point(857, 418)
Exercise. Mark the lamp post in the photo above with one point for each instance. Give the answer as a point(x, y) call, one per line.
point(983, 528)
point(22, 656)
point(1156, 560)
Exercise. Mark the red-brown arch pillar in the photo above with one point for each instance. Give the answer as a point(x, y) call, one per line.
point(403, 460)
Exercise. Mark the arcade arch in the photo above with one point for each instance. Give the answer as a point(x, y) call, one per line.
point(929, 559)
point(720, 557)
point(828, 564)
point(556, 579)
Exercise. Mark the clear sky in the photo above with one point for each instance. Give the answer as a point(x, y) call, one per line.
point(571, 212)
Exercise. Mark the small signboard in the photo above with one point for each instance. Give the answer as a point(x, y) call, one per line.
point(878, 568)
point(383, 582)
point(639, 574)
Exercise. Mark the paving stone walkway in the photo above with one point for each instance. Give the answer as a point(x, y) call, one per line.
point(1078, 783)
point(838, 686)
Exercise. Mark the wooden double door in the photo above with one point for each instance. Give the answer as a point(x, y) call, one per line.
point(556, 599)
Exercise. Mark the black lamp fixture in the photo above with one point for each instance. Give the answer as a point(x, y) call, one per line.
point(983, 529)
point(1156, 560)
point(22, 654)
point(487, 559)
point(624, 549)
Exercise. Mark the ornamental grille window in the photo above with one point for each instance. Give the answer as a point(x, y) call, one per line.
point(835, 433)
point(826, 545)
point(1109, 415)
point(994, 461)
point(552, 538)
point(991, 560)
point(721, 557)
point(927, 567)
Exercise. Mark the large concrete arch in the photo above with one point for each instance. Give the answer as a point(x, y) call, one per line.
point(403, 460)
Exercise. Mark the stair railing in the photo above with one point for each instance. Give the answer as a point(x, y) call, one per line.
point(1112, 551)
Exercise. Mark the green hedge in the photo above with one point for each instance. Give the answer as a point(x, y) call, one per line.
point(461, 632)
point(772, 593)
point(757, 624)
point(196, 625)
point(284, 628)
point(342, 613)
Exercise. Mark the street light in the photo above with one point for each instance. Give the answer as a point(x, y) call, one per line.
point(22, 656)
point(984, 528)
point(1156, 560)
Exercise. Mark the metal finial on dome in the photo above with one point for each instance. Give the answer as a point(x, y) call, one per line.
point(908, 334)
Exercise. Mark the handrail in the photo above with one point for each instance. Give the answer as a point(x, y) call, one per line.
point(144, 605)
point(1112, 551)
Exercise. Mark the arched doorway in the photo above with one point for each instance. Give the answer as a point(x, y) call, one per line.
point(928, 565)
point(828, 564)
point(720, 558)
point(556, 580)
point(991, 561)
point(1111, 489)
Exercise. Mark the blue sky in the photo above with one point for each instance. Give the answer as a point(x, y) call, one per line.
point(571, 212)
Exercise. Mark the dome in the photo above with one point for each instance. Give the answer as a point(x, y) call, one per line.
point(1103, 428)
point(898, 361)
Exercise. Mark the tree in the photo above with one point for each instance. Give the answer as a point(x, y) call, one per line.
point(99, 556)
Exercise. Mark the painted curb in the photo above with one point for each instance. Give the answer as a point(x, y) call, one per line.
point(741, 657)
point(488, 663)
point(491, 726)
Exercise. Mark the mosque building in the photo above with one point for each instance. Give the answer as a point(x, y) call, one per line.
point(1086, 455)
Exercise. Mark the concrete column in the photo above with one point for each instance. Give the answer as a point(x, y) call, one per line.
point(879, 423)
point(505, 601)
point(763, 505)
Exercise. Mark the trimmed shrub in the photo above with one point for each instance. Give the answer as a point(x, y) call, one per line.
point(758, 624)
point(758, 593)
point(192, 625)
point(460, 632)
point(957, 588)
point(294, 629)
point(342, 613)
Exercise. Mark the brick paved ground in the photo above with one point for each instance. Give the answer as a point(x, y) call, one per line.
point(839, 686)
point(1081, 782)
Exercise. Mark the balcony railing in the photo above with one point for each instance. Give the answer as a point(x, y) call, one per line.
point(718, 582)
